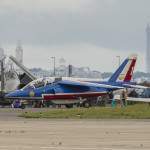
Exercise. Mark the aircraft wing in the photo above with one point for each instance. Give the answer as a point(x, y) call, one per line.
point(88, 84)
point(146, 100)
point(135, 86)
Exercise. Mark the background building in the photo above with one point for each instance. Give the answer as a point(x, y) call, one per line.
point(61, 70)
point(19, 53)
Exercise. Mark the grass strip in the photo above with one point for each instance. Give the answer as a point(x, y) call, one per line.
point(138, 111)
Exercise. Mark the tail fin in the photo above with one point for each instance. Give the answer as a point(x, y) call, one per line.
point(125, 72)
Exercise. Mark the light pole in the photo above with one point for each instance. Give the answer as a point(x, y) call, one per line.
point(54, 62)
point(119, 60)
point(2, 78)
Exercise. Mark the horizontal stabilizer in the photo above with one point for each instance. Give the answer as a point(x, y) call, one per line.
point(135, 86)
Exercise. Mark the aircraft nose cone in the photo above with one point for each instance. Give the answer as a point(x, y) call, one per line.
point(13, 94)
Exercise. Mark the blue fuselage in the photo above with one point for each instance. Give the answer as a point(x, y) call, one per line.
point(55, 88)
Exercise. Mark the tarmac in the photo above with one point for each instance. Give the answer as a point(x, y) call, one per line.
point(62, 134)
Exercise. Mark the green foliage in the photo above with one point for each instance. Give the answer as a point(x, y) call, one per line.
point(139, 111)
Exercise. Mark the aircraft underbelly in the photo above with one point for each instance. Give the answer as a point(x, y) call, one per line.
point(70, 96)
point(69, 101)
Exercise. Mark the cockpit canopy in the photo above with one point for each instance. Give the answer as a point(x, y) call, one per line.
point(40, 83)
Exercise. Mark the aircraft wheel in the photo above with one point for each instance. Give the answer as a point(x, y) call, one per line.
point(22, 106)
point(69, 106)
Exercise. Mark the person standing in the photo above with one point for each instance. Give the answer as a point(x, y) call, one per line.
point(113, 101)
point(124, 98)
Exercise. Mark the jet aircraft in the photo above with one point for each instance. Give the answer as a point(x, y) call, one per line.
point(61, 91)
point(68, 91)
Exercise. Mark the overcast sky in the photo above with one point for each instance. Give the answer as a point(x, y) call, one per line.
point(84, 32)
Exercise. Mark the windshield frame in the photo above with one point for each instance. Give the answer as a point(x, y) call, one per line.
point(42, 83)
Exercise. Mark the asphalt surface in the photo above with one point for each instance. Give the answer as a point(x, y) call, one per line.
point(54, 134)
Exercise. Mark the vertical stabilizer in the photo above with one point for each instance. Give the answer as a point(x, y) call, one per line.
point(125, 71)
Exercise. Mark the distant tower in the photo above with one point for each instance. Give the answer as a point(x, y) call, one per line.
point(19, 53)
point(2, 55)
point(148, 49)
point(70, 70)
